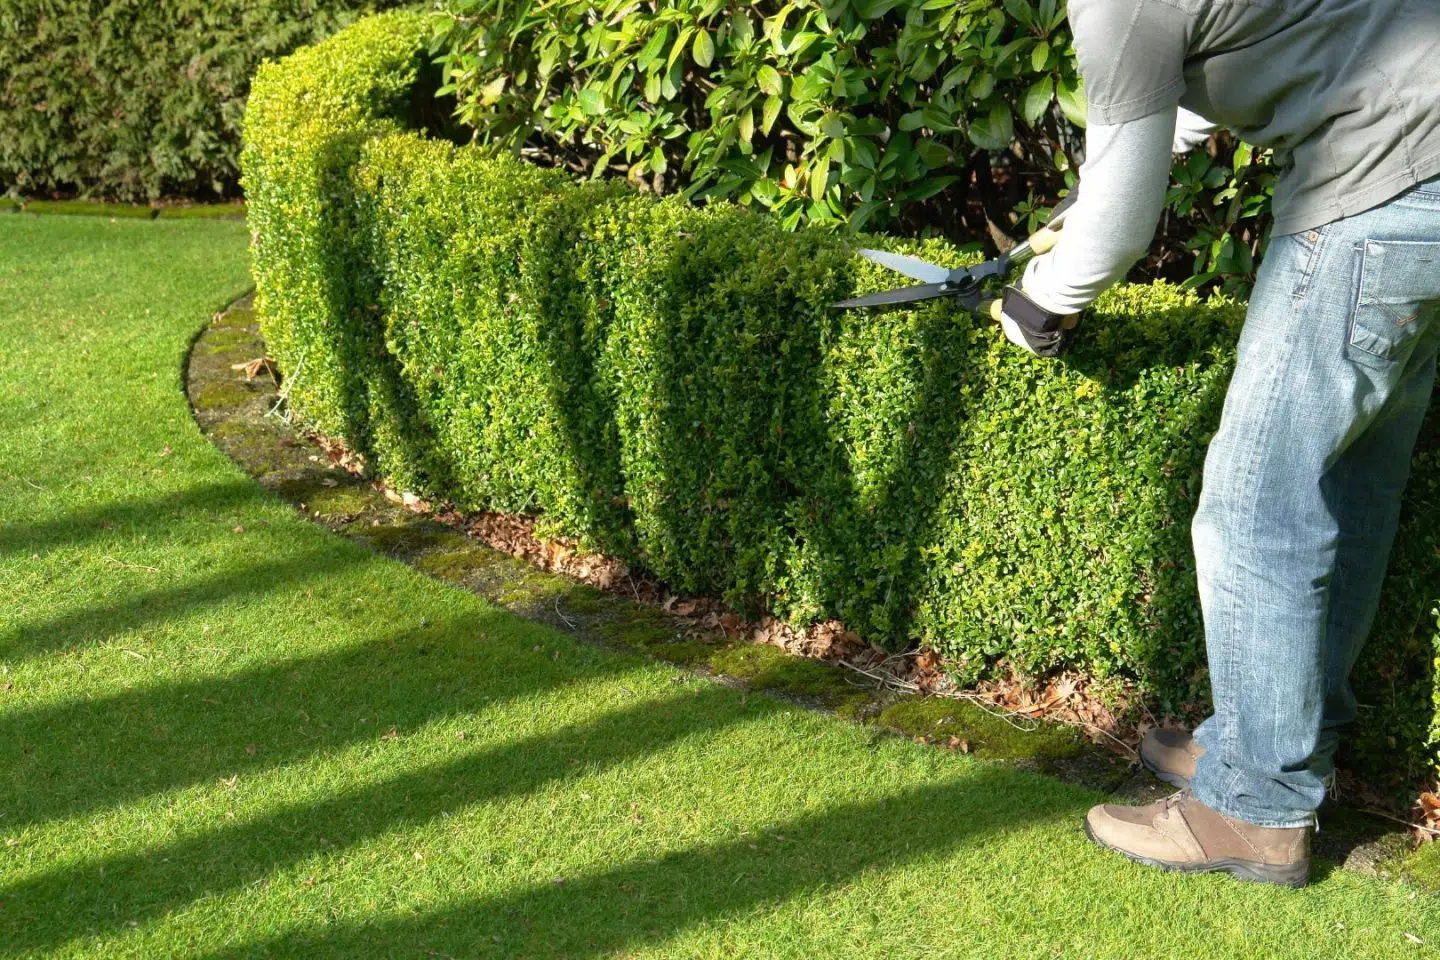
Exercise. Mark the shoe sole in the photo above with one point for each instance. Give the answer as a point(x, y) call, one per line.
point(1292, 875)
point(1174, 779)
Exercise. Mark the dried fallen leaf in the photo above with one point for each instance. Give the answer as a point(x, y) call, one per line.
point(238, 529)
point(1413, 939)
point(253, 368)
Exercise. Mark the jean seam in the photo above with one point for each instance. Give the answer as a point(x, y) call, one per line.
point(1312, 260)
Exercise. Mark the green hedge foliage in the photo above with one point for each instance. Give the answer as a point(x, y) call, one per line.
point(868, 113)
point(134, 99)
point(666, 382)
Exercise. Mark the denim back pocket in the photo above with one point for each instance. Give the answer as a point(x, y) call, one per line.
point(1399, 298)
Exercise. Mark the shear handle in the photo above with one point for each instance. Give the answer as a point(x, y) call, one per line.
point(1044, 239)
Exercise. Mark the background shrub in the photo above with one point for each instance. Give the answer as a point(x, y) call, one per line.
point(915, 116)
point(667, 382)
point(135, 99)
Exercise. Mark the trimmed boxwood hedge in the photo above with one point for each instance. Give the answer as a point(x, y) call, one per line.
point(667, 383)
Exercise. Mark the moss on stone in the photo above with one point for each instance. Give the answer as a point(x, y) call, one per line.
point(400, 538)
point(682, 653)
point(586, 599)
point(1422, 867)
point(89, 208)
point(237, 318)
point(345, 500)
point(988, 736)
point(458, 565)
point(644, 626)
point(239, 431)
point(648, 631)
point(228, 339)
point(250, 445)
point(204, 211)
point(221, 394)
point(857, 709)
point(530, 589)
point(768, 667)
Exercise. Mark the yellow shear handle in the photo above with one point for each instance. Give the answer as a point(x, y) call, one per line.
point(1044, 240)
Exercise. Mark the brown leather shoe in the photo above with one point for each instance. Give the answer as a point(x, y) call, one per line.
point(1170, 755)
point(1181, 833)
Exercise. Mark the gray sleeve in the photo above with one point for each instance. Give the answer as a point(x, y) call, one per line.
point(1131, 55)
point(1123, 183)
point(1191, 130)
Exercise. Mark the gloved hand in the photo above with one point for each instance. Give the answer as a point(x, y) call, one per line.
point(1031, 327)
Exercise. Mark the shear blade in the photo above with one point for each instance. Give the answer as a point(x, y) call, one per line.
point(885, 298)
point(912, 267)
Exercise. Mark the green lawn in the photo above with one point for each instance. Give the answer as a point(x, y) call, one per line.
point(225, 732)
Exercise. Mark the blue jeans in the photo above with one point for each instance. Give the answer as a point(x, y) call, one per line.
point(1301, 496)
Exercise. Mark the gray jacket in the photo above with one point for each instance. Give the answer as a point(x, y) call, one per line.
point(1347, 92)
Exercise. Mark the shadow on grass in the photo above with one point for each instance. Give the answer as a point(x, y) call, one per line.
point(594, 914)
point(153, 514)
point(76, 757)
point(91, 625)
point(644, 902)
point(107, 894)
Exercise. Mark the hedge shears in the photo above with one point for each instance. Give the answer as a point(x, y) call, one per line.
point(1043, 333)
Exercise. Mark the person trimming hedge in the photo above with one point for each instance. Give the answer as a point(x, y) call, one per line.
point(1336, 365)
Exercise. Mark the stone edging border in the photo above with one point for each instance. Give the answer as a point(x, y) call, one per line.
point(123, 211)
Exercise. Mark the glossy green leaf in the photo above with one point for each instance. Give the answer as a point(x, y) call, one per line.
point(654, 49)
point(1071, 97)
point(769, 81)
point(1037, 99)
point(704, 49)
point(819, 179)
point(1040, 56)
point(592, 101)
point(773, 106)
point(995, 130)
